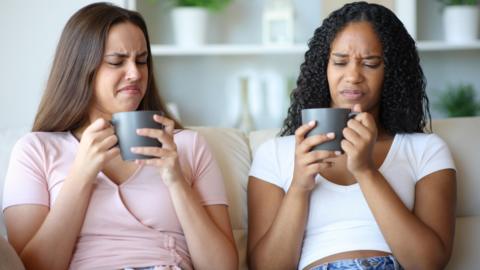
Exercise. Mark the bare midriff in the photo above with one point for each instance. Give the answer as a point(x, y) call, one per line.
point(347, 255)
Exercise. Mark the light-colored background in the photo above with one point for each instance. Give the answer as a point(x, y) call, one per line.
point(205, 87)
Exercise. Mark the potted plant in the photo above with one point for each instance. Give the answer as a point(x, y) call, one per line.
point(460, 20)
point(190, 18)
point(457, 101)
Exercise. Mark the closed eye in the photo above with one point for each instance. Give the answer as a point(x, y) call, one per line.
point(116, 64)
point(372, 65)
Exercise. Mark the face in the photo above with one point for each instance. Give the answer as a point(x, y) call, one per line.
point(355, 68)
point(122, 77)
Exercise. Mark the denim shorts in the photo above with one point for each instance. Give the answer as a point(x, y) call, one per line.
point(370, 263)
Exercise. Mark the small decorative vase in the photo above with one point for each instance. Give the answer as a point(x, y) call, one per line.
point(245, 121)
point(460, 23)
point(189, 26)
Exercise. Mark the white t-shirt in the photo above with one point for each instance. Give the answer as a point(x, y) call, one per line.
point(339, 218)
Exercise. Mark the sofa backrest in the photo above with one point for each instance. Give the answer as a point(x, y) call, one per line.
point(231, 150)
point(462, 136)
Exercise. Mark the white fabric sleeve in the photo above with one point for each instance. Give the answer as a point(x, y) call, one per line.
point(435, 157)
point(265, 164)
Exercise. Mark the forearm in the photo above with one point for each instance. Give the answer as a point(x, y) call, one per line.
point(209, 247)
point(414, 244)
point(280, 247)
point(53, 244)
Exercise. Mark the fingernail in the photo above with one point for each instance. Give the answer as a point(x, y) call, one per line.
point(311, 123)
point(331, 135)
point(133, 149)
point(138, 131)
point(338, 153)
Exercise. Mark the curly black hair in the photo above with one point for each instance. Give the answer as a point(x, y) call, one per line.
point(403, 104)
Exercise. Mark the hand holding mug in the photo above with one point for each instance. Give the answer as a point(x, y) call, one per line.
point(309, 163)
point(165, 157)
point(360, 137)
point(97, 147)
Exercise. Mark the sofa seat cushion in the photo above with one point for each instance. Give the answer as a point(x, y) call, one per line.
point(466, 244)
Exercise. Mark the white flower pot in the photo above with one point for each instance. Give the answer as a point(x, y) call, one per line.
point(460, 23)
point(189, 26)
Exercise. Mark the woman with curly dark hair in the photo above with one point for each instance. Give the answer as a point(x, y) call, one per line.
point(387, 201)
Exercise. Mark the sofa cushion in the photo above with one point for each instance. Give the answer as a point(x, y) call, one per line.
point(461, 135)
point(230, 148)
point(466, 244)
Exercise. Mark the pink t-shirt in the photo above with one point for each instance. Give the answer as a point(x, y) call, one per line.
point(129, 225)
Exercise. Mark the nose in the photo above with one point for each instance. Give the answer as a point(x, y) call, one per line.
point(133, 72)
point(353, 73)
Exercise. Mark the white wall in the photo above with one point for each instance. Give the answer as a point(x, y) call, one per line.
point(29, 33)
point(30, 29)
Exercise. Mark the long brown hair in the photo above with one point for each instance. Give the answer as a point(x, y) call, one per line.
point(69, 90)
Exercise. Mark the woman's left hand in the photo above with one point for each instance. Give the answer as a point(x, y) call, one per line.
point(165, 157)
point(360, 136)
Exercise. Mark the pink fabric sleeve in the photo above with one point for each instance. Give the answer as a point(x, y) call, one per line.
point(25, 181)
point(207, 177)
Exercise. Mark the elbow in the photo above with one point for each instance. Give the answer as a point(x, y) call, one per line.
point(428, 261)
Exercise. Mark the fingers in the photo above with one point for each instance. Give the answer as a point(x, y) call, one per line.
point(108, 142)
point(316, 157)
point(357, 108)
point(161, 135)
point(98, 125)
point(357, 132)
point(302, 131)
point(153, 151)
point(169, 125)
point(313, 141)
point(113, 152)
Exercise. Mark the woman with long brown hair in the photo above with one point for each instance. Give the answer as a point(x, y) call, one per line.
point(71, 201)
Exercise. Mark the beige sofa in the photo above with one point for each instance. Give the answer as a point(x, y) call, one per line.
point(233, 150)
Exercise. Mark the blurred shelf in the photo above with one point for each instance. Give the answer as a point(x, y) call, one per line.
point(444, 46)
point(227, 49)
point(254, 49)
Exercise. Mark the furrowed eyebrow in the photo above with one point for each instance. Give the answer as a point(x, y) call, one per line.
point(373, 57)
point(340, 55)
point(117, 54)
point(370, 57)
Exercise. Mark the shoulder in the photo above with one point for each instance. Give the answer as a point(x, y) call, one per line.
point(279, 146)
point(185, 136)
point(188, 140)
point(422, 141)
point(273, 161)
point(426, 152)
point(38, 142)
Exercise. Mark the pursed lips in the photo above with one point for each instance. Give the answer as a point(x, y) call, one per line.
point(130, 89)
point(352, 94)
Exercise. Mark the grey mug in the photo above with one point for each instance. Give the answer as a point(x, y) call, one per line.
point(328, 120)
point(126, 125)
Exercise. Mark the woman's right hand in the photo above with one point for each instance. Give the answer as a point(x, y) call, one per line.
point(309, 163)
point(97, 147)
